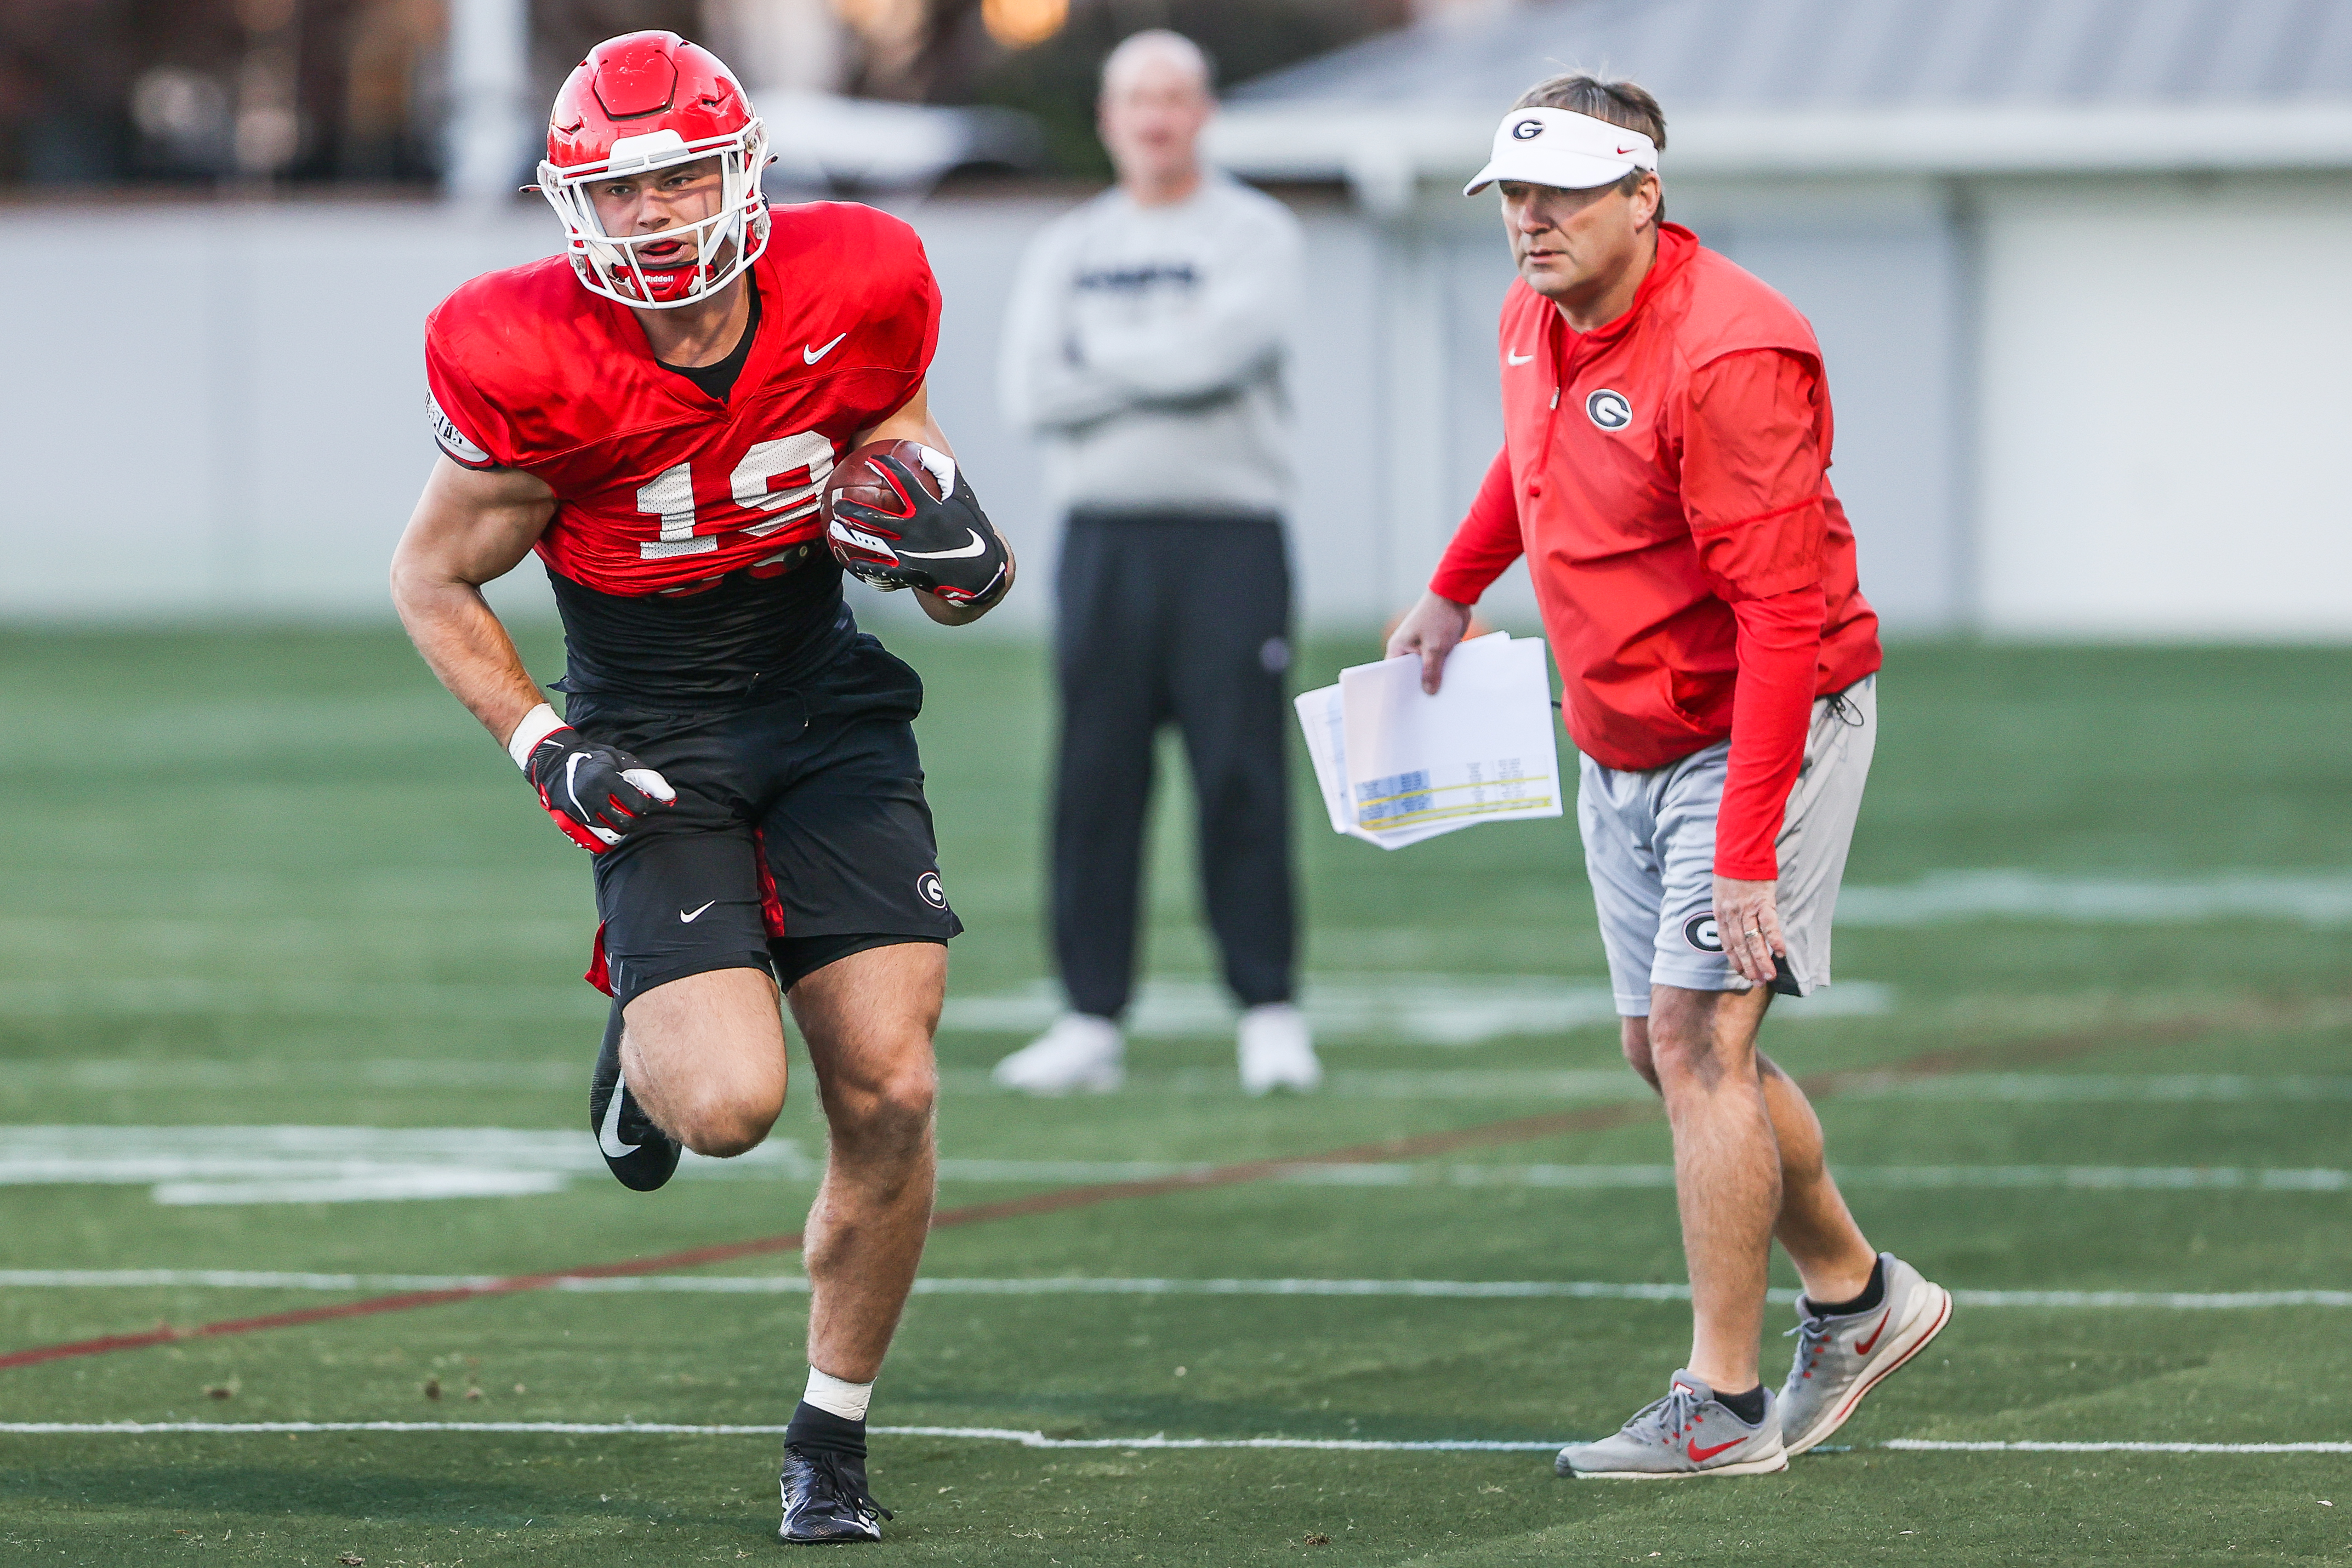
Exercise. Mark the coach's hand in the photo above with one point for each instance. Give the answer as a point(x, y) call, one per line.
point(1748, 920)
point(597, 793)
point(1430, 629)
point(943, 544)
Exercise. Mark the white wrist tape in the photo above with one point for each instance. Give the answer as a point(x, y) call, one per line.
point(537, 726)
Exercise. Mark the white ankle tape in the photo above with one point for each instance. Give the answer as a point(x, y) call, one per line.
point(846, 1400)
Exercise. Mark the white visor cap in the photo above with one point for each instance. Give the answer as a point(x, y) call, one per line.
point(1562, 148)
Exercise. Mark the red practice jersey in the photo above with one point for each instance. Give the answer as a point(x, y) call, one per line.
point(659, 485)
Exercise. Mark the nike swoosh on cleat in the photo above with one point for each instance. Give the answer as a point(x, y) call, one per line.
point(811, 356)
point(973, 549)
point(690, 919)
point(1862, 1347)
point(1699, 1455)
point(1515, 357)
point(608, 1137)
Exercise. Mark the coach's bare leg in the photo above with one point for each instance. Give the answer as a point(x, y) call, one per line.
point(868, 1019)
point(1832, 1255)
point(1702, 1048)
point(705, 1058)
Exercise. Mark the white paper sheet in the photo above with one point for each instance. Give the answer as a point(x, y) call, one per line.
point(1397, 765)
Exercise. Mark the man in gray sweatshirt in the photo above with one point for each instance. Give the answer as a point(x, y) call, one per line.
point(1144, 346)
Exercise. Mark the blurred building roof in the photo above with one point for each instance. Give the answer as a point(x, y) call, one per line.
point(1780, 55)
point(1834, 86)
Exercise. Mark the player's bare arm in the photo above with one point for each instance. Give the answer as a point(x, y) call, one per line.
point(470, 526)
point(912, 421)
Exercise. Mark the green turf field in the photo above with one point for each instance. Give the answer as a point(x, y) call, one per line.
point(279, 881)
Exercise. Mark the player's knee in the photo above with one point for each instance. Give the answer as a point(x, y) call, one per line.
point(722, 1120)
point(1680, 1051)
point(893, 1105)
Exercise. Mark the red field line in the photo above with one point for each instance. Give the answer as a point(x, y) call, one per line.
point(1516, 1129)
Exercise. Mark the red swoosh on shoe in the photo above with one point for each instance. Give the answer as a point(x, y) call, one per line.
point(1699, 1455)
point(1863, 1347)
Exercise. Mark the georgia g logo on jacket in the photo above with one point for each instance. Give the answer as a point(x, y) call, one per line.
point(1609, 409)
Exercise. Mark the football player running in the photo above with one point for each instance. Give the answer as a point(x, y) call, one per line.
point(657, 412)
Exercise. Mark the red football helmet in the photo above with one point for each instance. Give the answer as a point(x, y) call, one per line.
point(644, 102)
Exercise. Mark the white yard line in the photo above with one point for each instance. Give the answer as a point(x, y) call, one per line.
point(1428, 1009)
point(267, 1165)
point(1157, 1440)
point(794, 1285)
point(120, 1074)
point(2320, 900)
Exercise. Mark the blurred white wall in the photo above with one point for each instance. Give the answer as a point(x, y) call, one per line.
point(237, 428)
point(2165, 408)
point(2097, 408)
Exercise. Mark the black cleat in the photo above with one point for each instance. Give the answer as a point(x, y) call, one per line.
point(826, 1500)
point(640, 1156)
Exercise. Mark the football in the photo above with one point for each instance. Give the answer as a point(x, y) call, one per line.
point(857, 477)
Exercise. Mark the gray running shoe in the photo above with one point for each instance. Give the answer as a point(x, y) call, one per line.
point(1690, 1432)
point(1840, 1359)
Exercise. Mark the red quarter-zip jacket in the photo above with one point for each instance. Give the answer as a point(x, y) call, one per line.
point(1667, 476)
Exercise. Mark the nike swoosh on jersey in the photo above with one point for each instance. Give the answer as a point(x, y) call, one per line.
point(973, 549)
point(1515, 357)
point(608, 1137)
point(689, 919)
point(812, 356)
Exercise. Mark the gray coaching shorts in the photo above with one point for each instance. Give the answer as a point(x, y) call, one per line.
point(1649, 848)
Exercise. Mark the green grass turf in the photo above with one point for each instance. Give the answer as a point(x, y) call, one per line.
point(278, 857)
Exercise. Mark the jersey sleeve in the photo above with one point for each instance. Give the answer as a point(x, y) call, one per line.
point(1755, 491)
point(1487, 542)
point(907, 294)
point(466, 426)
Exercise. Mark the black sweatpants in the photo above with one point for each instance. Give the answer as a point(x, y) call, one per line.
point(1185, 617)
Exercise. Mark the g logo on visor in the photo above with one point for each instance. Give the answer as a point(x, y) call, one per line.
point(1701, 932)
point(1528, 130)
point(1609, 409)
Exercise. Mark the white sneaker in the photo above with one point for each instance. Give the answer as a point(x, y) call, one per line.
point(1081, 1052)
point(1276, 1052)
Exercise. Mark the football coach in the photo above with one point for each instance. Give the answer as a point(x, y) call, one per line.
point(1665, 470)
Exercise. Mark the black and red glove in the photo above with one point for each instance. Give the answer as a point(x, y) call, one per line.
point(942, 544)
point(597, 793)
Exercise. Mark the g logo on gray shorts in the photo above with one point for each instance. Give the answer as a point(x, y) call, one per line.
point(1649, 849)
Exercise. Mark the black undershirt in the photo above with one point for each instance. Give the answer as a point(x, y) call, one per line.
point(712, 645)
point(716, 381)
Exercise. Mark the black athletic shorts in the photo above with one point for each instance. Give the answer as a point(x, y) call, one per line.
point(799, 835)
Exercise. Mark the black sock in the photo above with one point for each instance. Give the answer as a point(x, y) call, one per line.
point(1872, 1294)
point(822, 1430)
point(1748, 1407)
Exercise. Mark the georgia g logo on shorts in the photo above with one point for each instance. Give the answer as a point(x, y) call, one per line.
point(1701, 933)
point(1609, 409)
point(928, 884)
